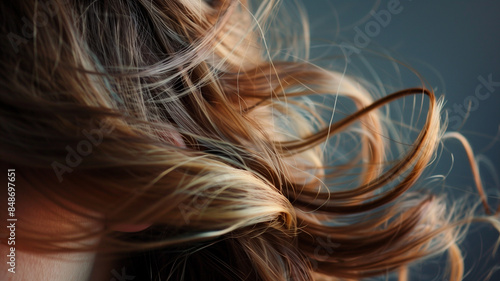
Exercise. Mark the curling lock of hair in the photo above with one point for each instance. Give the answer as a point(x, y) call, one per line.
point(192, 145)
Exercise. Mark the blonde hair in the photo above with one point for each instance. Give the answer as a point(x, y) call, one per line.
point(172, 113)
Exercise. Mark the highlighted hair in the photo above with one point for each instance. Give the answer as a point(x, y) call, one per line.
point(193, 129)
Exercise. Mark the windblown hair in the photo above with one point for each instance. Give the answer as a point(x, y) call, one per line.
point(172, 113)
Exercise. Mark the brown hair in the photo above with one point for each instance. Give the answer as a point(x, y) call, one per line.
point(172, 113)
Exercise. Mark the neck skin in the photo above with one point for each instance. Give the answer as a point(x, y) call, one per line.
point(47, 267)
point(36, 213)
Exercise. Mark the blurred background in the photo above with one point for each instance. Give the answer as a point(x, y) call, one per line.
point(455, 46)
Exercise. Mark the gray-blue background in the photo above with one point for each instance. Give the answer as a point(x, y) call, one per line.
point(451, 44)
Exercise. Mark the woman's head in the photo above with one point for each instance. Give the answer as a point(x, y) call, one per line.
point(172, 116)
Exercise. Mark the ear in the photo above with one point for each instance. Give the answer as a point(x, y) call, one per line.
point(172, 136)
